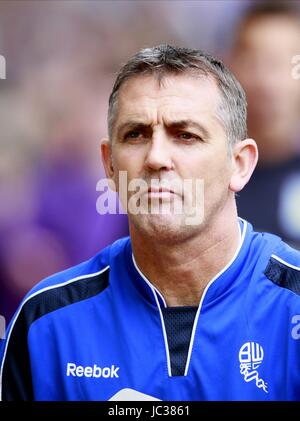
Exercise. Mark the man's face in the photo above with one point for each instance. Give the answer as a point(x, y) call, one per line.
point(170, 132)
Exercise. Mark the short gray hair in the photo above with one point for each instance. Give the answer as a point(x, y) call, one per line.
point(165, 60)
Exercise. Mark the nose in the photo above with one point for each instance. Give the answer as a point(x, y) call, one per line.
point(159, 154)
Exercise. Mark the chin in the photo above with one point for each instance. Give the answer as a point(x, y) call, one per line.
point(163, 228)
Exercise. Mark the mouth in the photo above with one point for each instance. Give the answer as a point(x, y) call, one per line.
point(160, 192)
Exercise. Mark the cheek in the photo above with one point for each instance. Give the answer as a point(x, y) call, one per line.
point(211, 168)
point(192, 164)
point(129, 161)
point(216, 174)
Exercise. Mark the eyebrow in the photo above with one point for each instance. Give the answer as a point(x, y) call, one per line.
point(179, 124)
point(188, 123)
point(130, 125)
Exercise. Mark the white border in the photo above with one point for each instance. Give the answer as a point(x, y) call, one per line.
point(78, 278)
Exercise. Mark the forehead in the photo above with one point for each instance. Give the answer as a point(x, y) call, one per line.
point(184, 94)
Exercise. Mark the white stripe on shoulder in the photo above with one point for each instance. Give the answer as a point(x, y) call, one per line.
point(78, 278)
point(285, 263)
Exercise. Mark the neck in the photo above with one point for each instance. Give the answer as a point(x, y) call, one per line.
point(182, 270)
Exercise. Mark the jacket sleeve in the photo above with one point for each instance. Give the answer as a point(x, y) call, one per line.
point(15, 371)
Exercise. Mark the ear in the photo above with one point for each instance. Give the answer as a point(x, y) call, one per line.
point(106, 154)
point(106, 158)
point(244, 157)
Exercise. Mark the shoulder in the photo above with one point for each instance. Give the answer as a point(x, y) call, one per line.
point(273, 259)
point(70, 286)
point(85, 270)
point(283, 267)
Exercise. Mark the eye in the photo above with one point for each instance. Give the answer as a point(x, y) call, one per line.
point(188, 137)
point(133, 134)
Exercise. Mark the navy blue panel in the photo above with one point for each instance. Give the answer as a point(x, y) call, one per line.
point(179, 324)
point(16, 372)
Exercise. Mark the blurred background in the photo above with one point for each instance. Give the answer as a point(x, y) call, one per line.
point(61, 61)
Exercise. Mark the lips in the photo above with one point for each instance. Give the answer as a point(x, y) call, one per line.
point(160, 190)
point(160, 194)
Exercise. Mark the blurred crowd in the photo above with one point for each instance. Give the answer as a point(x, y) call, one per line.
point(61, 60)
point(266, 40)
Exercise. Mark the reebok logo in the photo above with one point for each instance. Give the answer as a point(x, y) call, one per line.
point(89, 371)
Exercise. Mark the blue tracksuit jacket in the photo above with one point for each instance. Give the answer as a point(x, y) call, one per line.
point(101, 330)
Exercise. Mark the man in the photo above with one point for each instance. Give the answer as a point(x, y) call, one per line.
point(193, 306)
point(263, 58)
